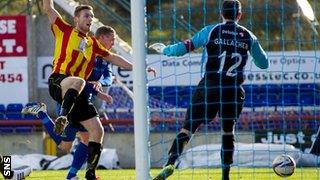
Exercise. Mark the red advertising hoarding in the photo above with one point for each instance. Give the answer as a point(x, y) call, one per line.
point(13, 36)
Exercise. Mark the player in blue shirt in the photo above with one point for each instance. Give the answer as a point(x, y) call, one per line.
point(225, 51)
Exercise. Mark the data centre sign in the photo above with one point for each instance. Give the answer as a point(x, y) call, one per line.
point(285, 67)
point(13, 60)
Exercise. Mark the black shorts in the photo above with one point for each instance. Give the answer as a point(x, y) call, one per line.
point(209, 99)
point(82, 110)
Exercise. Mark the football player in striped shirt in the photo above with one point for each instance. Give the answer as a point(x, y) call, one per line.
point(74, 57)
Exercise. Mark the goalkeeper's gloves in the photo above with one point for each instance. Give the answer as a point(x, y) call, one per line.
point(159, 47)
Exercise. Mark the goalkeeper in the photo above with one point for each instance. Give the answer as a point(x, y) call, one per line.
point(225, 51)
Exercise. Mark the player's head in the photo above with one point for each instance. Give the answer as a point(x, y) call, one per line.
point(231, 10)
point(83, 15)
point(106, 36)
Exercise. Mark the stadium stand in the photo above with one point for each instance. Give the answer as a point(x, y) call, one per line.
point(13, 111)
point(266, 107)
point(2, 111)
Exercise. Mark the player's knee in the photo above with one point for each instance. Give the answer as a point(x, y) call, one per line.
point(78, 84)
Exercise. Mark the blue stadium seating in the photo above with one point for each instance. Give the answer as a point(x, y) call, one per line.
point(14, 111)
point(270, 99)
point(2, 111)
point(23, 129)
point(256, 95)
point(6, 129)
point(154, 90)
point(308, 87)
point(289, 99)
point(251, 100)
point(308, 99)
point(270, 88)
point(290, 88)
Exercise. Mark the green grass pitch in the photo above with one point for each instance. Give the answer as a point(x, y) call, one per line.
point(187, 174)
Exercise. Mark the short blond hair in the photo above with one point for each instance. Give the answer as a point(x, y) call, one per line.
point(104, 30)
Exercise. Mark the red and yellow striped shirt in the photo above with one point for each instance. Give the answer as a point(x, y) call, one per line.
point(75, 52)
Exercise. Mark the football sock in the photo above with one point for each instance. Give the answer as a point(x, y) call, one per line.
point(68, 101)
point(315, 148)
point(227, 149)
point(227, 154)
point(94, 151)
point(79, 158)
point(49, 125)
point(177, 147)
point(225, 172)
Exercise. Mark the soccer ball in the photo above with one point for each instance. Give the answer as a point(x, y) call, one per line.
point(284, 165)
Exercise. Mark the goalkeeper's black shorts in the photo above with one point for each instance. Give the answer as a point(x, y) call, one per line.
point(210, 99)
point(82, 110)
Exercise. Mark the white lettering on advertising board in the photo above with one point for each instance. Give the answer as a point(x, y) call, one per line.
point(285, 67)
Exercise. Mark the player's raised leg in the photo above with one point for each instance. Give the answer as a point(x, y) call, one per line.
point(65, 141)
point(40, 110)
point(71, 87)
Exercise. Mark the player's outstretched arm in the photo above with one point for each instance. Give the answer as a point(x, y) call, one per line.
point(49, 9)
point(181, 48)
point(119, 61)
point(124, 63)
point(260, 58)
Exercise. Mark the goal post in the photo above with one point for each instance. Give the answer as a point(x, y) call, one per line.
point(141, 125)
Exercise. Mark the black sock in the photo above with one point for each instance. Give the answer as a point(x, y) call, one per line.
point(227, 154)
point(227, 149)
point(68, 101)
point(177, 147)
point(225, 172)
point(94, 151)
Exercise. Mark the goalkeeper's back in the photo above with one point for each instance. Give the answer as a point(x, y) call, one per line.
point(228, 50)
point(226, 47)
